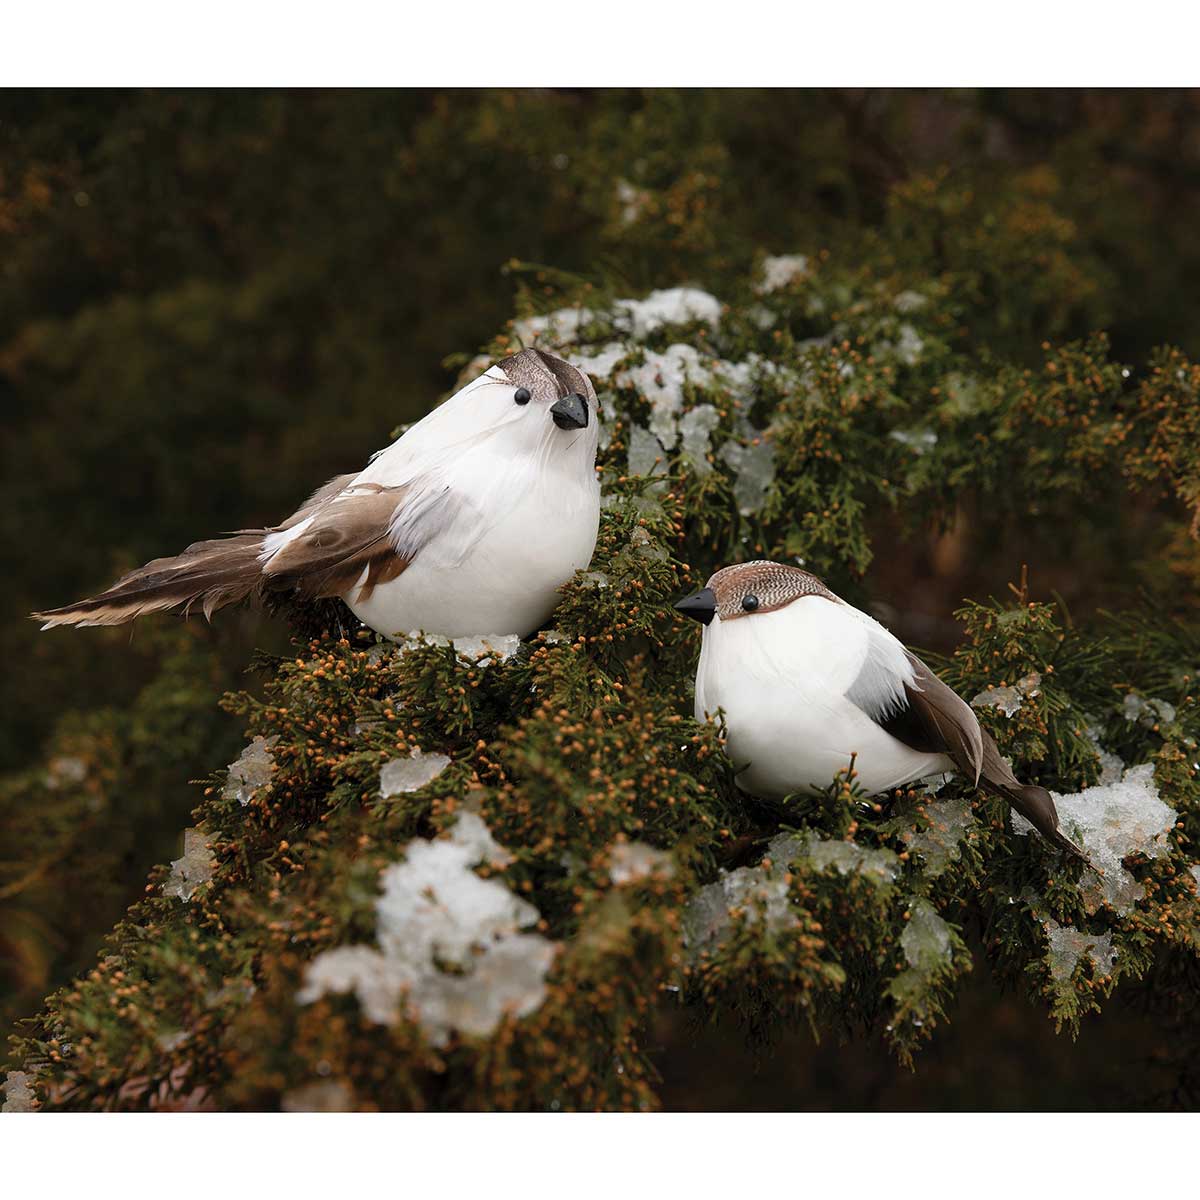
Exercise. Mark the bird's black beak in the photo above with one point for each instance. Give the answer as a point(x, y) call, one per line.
point(571, 412)
point(701, 607)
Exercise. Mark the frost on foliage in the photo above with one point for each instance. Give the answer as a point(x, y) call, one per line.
point(754, 463)
point(646, 456)
point(762, 892)
point(1068, 944)
point(600, 363)
point(489, 647)
point(646, 546)
point(917, 440)
point(928, 949)
point(631, 861)
point(1147, 712)
point(695, 429)
point(408, 774)
point(1111, 821)
point(193, 869)
point(320, 1096)
point(251, 770)
point(661, 378)
point(18, 1095)
point(879, 866)
point(909, 302)
point(435, 911)
point(779, 270)
point(949, 821)
point(1009, 699)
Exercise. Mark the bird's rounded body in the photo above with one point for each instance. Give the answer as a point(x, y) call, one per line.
point(467, 525)
point(782, 680)
point(508, 580)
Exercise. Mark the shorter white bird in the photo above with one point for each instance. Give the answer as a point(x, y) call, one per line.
point(807, 682)
point(468, 524)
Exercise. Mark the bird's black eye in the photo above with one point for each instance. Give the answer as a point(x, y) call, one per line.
point(522, 396)
point(749, 601)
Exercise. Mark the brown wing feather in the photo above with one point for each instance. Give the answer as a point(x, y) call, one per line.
point(942, 720)
point(348, 535)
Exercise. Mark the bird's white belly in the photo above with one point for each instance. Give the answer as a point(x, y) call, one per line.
point(788, 732)
point(507, 583)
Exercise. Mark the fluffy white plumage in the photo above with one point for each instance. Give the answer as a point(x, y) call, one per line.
point(784, 680)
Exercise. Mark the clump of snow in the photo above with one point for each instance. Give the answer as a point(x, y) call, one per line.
point(193, 869)
point(250, 771)
point(910, 346)
point(402, 775)
point(600, 363)
point(1147, 711)
point(1068, 944)
point(646, 454)
point(1112, 766)
point(669, 306)
point(171, 1040)
point(434, 911)
point(695, 429)
point(661, 378)
point(1111, 821)
point(753, 458)
point(320, 1096)
point(597, 579)
point(65, 770)
point(558, 328)
point(646, 546)
point(760, 893)
point(917, 440)
point(631, 861)
point(779, 270)
point(1195, 871)
point(1009, 699)
point(949, 821)
point(18, 1094)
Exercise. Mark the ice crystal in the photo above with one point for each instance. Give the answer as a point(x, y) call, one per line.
point(434, 912)
point(1111, 821)
point(1147, 712)
point(754, 463)
point(487, 648)
point(1068, 944)
point(949, 821)
point(18, 1094)
point(695, 429)
point(409, 774)
point(193, 869)
point(780, 270)
point(631, 861)
point(597, 579)
point(759, 893)
point(250, 771)
point(1009, 699)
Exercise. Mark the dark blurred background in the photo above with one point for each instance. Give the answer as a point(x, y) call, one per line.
point(211, 302)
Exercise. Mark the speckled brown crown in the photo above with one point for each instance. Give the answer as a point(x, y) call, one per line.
point(546, 376)
point(775, 585)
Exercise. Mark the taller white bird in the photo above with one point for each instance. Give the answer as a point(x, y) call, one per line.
point(467, 524)
point(807, 682)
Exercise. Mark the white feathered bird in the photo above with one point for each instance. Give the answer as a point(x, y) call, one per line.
point(808, 682)
point(468, 524)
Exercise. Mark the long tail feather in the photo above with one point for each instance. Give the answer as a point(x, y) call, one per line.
point(210, 574)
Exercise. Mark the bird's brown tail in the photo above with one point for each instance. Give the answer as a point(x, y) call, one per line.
point(1034, 803)
point(210, 574)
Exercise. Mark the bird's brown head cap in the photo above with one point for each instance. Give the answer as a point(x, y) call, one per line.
point(753, 587)
point(546, 376)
